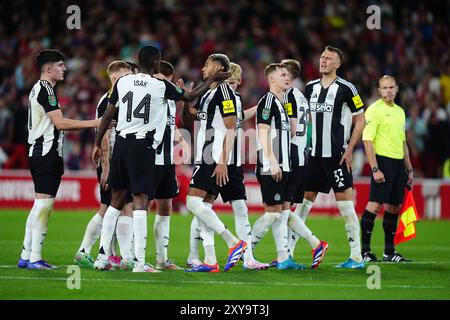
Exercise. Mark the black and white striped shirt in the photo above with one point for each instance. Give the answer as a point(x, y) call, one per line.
point(297, 108)
point(236, 153)
point(212, 107)
point(164, 153)
point(271, 111)
point(332, 110)
point(42, 133)
point(101, 108)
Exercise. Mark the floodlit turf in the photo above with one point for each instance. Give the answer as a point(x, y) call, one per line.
point(428, 277)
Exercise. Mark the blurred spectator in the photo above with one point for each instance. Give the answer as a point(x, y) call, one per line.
point(412, 44)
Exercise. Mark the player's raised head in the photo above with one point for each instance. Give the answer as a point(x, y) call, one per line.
point(277, 76)
point(293, 67)
point(51, 62)
point(166, 71)
point(117, 69)
point(388, 88)
point(216, 62)
point(149, 59)
point(236, 76)
point(330, 60)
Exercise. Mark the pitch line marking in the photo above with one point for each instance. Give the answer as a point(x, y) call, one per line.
point(224, 283)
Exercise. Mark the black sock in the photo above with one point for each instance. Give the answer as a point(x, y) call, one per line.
point(390, 227)
point(367, 222)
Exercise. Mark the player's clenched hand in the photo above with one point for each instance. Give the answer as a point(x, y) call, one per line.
point(221, 174)
point(348, 158)
point(96, 154)
point(379, 177)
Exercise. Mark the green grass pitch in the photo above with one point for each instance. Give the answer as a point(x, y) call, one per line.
point(427, 277)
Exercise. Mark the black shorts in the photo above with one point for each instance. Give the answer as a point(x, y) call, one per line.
point(201, 178)
point(47, 172)
point(391, 191)
point(133, 165)
point(235, 188)
point(272, 192)
point(105, 195)
point(166, 182)
point(322, 174)
point(296, 185)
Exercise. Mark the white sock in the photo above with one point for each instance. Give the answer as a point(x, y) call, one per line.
point(26, 249)
point(124, 232)
point(39, 226)
point(210, 255)
point(347, 210)
point(279, 230)
point(161, 229)
point(207, 215)
point(92, 233)
point(194, 240)
point(303, 209)
point(300, 229)
point(242, 225)
point(113, 246)
point(140, 234)
point(108, 228)
point(262, 225)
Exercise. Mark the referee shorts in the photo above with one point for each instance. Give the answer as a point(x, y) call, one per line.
point(392, 190)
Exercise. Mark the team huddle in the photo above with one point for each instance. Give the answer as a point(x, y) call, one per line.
point(134, 156)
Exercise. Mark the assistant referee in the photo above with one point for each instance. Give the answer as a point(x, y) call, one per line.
point(387, 152)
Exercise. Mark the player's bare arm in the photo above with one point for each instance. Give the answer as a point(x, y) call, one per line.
point(202, 88)
point(62, 123)
point(264, 138)
point(221, 170)
point(250, 112)
point(408, 166)
point(359, 121)
point(104, 125)
point(378, 175)
point(105, 160)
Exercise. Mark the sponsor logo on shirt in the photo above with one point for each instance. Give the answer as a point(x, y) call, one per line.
point(357, 101)
point(228, 106)
point(285, 125)
point(321, 107)
point(288, 108)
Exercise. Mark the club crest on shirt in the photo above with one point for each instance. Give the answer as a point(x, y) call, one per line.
point(52, 101)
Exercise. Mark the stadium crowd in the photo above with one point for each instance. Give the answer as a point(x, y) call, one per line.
point(412, 44)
